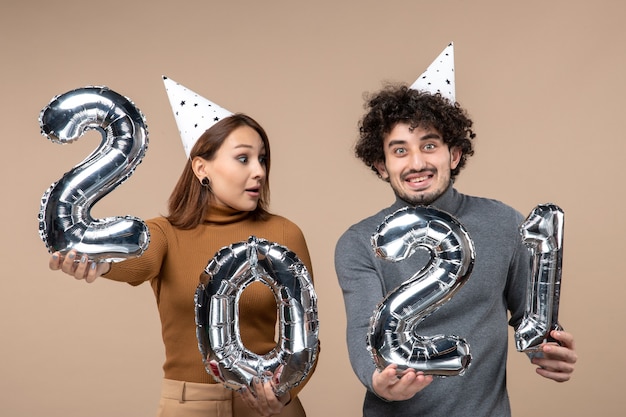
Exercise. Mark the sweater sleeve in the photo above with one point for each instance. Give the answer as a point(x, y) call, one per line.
point(146, 267)
point(362, 291)
point(517, 280)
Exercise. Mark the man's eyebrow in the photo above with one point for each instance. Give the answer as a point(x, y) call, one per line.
point(427, 136)
point(395, 142)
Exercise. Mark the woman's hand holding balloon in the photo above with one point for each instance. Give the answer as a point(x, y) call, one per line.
point(389, 385)
point(79, 266)
point(556, 361)
point(264, 401)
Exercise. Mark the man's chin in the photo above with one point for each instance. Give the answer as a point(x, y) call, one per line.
point(417, 199)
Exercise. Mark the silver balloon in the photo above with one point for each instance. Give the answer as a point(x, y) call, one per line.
point(217, 315)
point(392, 337)
point(542, 232)
point(65, 222)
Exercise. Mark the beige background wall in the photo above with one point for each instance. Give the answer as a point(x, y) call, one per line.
point(544, 82)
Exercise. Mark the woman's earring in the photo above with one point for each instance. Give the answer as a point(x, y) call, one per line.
point(206, 183)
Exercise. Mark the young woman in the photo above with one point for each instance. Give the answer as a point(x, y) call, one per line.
point(221, 198)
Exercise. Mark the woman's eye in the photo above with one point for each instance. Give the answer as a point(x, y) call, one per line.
point(243, 159)
point(263, 160)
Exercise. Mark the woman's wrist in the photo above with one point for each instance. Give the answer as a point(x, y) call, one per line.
point(285, 399)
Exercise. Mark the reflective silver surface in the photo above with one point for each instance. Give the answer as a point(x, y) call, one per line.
point(393, 335)
point(217, 315)
point(65, 222)
point(542, 232)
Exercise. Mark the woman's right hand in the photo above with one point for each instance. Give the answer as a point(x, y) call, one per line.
point(78, 265)
point(263, 400)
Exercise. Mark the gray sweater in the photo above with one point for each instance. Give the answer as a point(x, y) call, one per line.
point(478, 312)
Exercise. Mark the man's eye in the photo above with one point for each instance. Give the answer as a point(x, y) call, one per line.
point(399, 151)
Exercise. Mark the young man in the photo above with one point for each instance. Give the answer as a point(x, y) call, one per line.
point(418, 142)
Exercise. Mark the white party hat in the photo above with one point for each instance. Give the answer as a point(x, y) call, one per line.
point(194, 114)
point(439, 76)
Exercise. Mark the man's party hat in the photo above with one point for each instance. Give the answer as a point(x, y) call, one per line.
point(439, 76)
point(194, 114)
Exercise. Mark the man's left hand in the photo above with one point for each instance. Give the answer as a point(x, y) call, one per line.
point(557, 360)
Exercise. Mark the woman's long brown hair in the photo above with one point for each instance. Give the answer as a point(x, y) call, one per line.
point(190, 202)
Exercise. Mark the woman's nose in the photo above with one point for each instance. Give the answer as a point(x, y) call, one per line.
point(258, 170)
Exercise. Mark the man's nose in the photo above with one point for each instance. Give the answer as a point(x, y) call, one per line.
point(417, 161)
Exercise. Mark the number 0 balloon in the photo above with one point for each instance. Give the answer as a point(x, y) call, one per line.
point(217, 315)
point(65, 222)
point(393, 338)
point(542, 232)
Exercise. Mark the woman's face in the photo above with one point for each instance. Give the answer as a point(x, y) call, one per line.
point(238, 171)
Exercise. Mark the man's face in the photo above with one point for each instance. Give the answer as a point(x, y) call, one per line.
point(417, 163)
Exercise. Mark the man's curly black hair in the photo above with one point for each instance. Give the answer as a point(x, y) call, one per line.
point(399, 104)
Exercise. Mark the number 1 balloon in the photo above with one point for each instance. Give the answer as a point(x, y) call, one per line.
point(542, 232)
point(392, 337)
point(217, 315)
point(65, 222)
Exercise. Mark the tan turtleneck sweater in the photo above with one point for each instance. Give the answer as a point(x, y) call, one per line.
point(173, 263)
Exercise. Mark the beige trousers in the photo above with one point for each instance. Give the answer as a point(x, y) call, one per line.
point(189, 399)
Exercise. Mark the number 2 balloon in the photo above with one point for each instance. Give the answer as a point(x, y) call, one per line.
point(392, 337)
point(65, 222)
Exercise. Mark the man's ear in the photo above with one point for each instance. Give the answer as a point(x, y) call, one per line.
point(382, 170)
point(455, 156)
